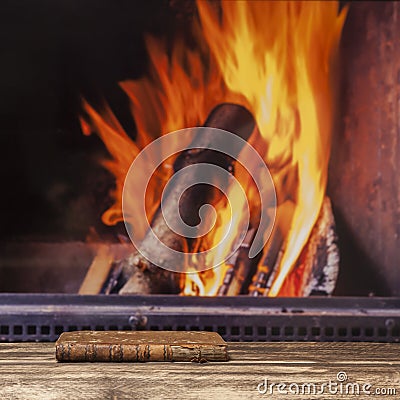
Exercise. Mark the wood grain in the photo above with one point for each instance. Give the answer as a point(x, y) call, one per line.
point(30, 371)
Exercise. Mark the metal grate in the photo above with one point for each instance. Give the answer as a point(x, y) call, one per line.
point(43, 317)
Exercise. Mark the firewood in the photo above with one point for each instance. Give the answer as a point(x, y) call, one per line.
point(242, 268)
point(136, 274)
point(273, 250)
point(269, 263)
point(322, 254)
point(97, 272)
point(231, 278)
point(317, 268)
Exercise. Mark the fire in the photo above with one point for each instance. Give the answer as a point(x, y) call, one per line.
point(275, 58)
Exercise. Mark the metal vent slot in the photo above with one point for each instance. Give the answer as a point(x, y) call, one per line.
point(27, 317)
point(30, 332)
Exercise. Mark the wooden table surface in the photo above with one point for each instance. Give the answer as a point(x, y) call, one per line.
point(30, 371)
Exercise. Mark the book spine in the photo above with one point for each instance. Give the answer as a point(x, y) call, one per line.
point(199, 353)
point(92, 352)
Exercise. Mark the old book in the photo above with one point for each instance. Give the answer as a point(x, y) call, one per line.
point(140, 346)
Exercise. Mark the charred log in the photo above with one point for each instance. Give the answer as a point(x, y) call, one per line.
point(268, 265)
point(322, 254)
point(316, 270)
point(241, 270)
point(233, 280)
point(273, 251)
point(135, 274)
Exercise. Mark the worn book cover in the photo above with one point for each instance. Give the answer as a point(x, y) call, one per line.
point(140, 346)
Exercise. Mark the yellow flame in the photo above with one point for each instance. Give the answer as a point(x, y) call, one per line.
point(278, 55)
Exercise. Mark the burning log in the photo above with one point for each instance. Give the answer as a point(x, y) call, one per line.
point(239, 270)
point(135, 274)
point(317, 268)
point(271, 261)
point(242, 269)
point(322, 255)
point(273, 251)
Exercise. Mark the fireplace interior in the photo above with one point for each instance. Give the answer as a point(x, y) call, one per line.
point(55, 189)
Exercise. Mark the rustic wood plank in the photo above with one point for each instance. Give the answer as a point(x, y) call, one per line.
point(29, 371)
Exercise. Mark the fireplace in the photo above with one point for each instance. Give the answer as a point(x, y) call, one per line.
point(64, 64)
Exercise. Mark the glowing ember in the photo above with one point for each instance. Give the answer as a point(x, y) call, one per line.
point(276, 59)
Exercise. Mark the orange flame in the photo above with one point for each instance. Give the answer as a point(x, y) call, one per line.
point(276, 59)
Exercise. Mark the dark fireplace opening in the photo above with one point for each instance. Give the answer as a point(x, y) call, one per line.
point(55, 189)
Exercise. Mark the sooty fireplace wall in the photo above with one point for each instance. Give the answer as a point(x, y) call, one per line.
point(364, 181)
point(54, 190)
